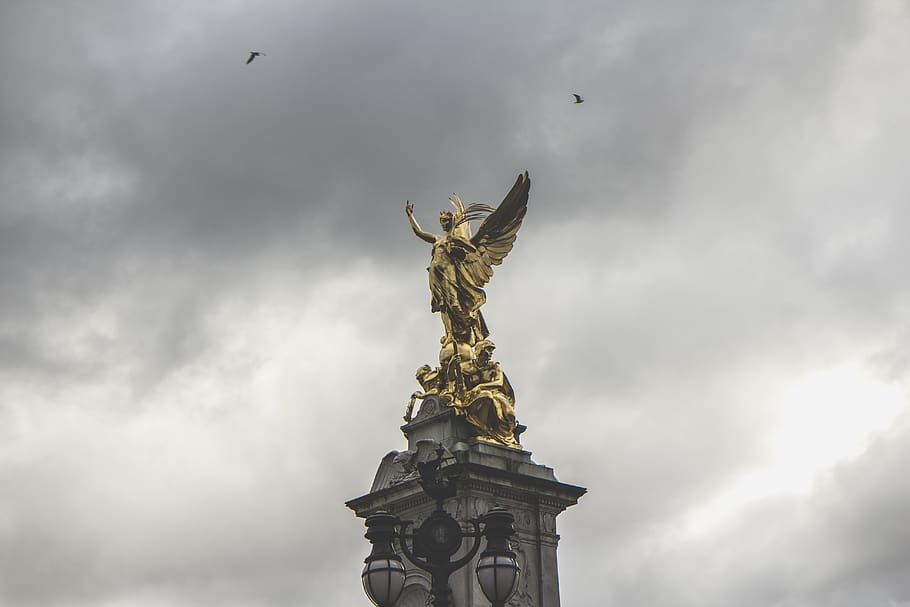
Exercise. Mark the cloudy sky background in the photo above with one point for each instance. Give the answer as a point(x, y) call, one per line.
point(212, 306)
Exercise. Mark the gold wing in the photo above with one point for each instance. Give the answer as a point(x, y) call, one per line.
point(496, 235)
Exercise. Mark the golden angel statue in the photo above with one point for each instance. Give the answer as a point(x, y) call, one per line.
point(461, 264)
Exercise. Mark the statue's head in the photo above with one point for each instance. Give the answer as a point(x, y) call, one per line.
point(427, 377)
point(446, 220)
point(483, 350)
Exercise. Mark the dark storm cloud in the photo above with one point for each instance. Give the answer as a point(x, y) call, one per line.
point(377, 104)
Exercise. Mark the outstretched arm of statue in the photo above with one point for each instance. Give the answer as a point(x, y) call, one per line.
point(409, 211)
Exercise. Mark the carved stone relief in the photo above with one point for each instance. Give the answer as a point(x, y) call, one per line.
point(415, 596)
point(549, 522)
point(522, 596)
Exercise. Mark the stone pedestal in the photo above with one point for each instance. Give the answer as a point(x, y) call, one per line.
point(487, 475)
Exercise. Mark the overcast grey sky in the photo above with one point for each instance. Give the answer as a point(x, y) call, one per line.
point(212, 306)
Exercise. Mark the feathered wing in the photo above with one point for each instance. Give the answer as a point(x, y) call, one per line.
point(388, 470)
point(496, 235)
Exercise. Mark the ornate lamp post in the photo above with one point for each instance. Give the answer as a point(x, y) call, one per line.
point(434, 543)
point(383, 575)
point(497, 569)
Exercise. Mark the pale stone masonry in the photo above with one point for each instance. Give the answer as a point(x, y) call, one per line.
point(488, 475)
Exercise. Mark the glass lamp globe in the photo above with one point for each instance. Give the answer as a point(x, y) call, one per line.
point(383, 580)
point(498, 576)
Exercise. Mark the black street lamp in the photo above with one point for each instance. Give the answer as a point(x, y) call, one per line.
point(433, 544)
point(383, 574)
point(497, 569)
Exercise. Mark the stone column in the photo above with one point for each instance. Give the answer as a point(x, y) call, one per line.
point(487, 475)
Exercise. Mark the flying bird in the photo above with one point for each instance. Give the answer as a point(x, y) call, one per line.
point(253, 55)
point(578, 98)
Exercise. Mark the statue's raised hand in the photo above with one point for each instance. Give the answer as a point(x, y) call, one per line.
point(408, 208)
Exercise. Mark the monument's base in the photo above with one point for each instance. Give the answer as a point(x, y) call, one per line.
point(487, 475)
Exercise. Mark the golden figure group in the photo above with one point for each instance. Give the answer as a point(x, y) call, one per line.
point(460, 266)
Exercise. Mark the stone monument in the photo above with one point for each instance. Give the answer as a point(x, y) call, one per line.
point(468, 411)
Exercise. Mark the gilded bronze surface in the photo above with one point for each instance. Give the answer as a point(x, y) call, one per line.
point(460, 265)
